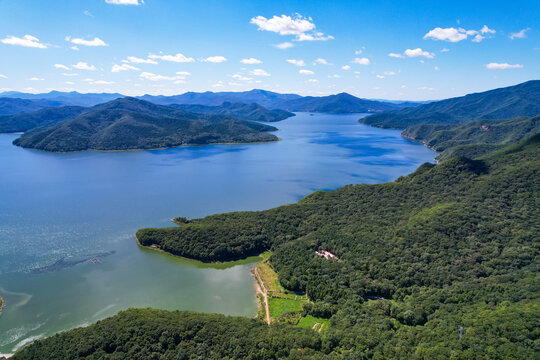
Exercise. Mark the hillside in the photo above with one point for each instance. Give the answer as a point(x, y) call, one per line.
point(268, 99)
point(40, 118)
point(448, 247)
point(503, 103)
point(473, 139)
point(337, 104)
point(129, 124)
point(253, 111)
point(10, 106)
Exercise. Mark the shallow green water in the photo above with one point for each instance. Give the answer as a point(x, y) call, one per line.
point(58, 211)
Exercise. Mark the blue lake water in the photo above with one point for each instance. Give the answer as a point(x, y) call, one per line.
point(69, 208)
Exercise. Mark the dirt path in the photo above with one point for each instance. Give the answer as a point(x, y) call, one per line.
point(264, 293)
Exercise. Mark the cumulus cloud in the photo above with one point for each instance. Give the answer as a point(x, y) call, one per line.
point(413, 53)
point(183, 73)
point(301, 27)
point(154, 77)
point(305, 72)
point(345, 67)
point(241, 77)
point(296, 62)
point(179, 58)
point(123, 67)
point(250, 61)
point(95, 42)
point(125, 2)
point(259, 72)
point(26, 41)
point(215, 59)
point(2, 76)
point(60, 66)
point(502, 66)
point(136, 60)
point(285, 45)
point(322, 61)
point(361, 61)
point(36, 79)
point(452, 34)
point(520, 34)
point(84, 66)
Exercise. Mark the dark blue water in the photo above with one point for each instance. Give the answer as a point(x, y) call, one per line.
point(69, 208)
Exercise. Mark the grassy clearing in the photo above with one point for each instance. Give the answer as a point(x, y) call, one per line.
point(279, 306)
point(314, 323)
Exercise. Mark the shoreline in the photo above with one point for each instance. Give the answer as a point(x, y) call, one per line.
point(2, 304)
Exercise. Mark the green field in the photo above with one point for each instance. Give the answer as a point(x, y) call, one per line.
point(310, 321)
point(281, 305)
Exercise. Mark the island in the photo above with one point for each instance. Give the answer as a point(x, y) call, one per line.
point(252, 111)
point(133, 124)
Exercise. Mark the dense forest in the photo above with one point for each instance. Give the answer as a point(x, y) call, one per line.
point(473, 139)
point(129, 123)
point(503, 103)
point(41, 118)
point(449, 247)
point(10, 106)
point(252, 111)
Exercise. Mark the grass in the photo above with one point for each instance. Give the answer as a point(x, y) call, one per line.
point(269, 278)
point(279, 306)
point(310, 322)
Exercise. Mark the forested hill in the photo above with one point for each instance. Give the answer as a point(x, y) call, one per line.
point(10, 106)
point(252, 111)
point(473, 139)
point(129, 124)
point(337, 104)
point(40, 118)
point(449, 247)
point(503, 103)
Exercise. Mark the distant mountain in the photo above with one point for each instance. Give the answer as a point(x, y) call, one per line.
point(268, 99)
point(44, 117)
point(473, 139)
point(336, 104)
point(503, 103)
point(66, 98)
point(129, 124)
point(9, 106)
point(253, 111)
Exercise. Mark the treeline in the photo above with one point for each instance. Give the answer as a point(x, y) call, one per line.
point(473, 139)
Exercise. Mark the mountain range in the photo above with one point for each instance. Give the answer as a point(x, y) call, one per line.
point(253, 111)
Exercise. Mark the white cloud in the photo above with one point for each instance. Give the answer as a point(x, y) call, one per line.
point(379, 76)
point(399, 56)
point(123, 67)
point(418, 53)
point(306, 72)
point(445, 50)
point(285, 45)
point(179, 58)
point(70, 74)
point(136, 60)
point(60, 66)
point(75, 48)
point(296, 62)
point(125, 2)
point(2, 76)
point(153, 77)
point(69, 83)
point(36, 79)
point(241, 77)
point(389, 73)
point(313, 80)
point(452, 34)
point(219, 84)
point(102, 82)
point(183, 73)
point(250, 61)
point(88, 13)
point(215, 59)
point(301, 27)
point(436, 68)
point(502, 66)
point(335, 76)
point(84, 66)
point(520, 34)
point(26, 41)
point(322, 61)
point(361, 61)
point(259, 72)
point(95, 42)
point(426, 88)
point(345, 67)
point(358, 52)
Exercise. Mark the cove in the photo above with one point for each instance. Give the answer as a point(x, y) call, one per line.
point(67, 253)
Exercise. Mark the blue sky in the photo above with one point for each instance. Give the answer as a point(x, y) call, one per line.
point(412, 50)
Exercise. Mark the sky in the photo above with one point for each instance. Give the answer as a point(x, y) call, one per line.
point(398, 50)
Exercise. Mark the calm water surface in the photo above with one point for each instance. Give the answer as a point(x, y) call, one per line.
point(58, 211)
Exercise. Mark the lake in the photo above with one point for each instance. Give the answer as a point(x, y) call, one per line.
point(58, 212)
